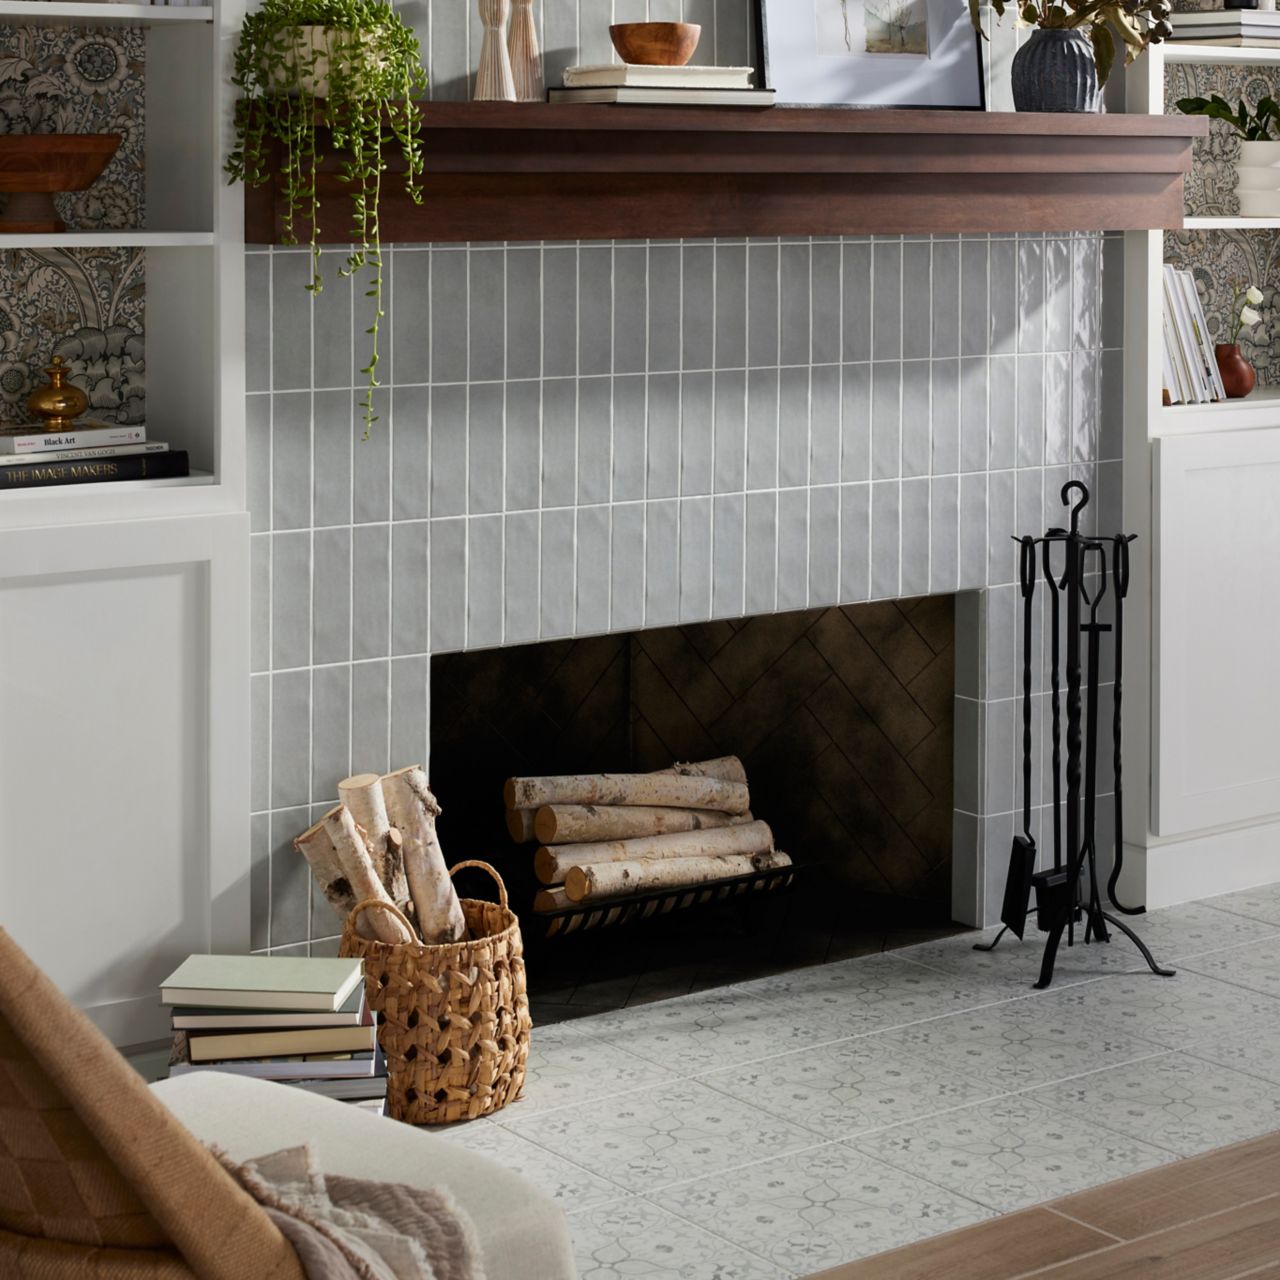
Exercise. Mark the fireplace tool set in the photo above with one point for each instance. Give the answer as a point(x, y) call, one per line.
point(1078, 571)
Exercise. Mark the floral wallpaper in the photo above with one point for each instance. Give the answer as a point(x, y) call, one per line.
point(83, 304)
point(1224, 262)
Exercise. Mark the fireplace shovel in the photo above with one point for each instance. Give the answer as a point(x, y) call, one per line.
point(1022, 857)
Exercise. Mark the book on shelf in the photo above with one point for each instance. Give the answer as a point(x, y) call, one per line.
point(1241, 28)
point(354, 1013)
point(611, 75)
point(83, 455)
point(1190, 368)
point(626, 95)
point(41, 470)
point(23, 438)
point(350, 1089)
point(287, 983)
point(224, 1046)
point(315, 1066)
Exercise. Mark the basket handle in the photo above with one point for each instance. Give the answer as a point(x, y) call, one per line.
point(484, 866)
point(391, 907)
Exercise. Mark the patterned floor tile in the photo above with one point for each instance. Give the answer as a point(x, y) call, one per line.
point(567, 1183)
point(1262, 903)
point(1177, 1102)
point(1174, 933)
point(819, 1208)
point(668, 1133)
point(1011, 1153)
point(636, 1240)
point(1014, 965)
point(1256, 966)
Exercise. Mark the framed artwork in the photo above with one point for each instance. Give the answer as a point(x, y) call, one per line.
point(871, 53)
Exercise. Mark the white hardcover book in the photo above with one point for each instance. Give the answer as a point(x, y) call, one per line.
point(1184, 395)
point(621, 74)
point(25, 439)
point(633, 97)
point(1172, 383)
point(1196, 352)
point(1201, 326)
point(81, 455)
point(1186, 337)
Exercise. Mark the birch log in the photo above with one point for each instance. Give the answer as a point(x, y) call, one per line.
point(362, 794)
point(621, 879)
point(520, 825)
point(551, 899)
point(664, 790)
point(413, 811)
point(552, 866)
point(577, 823)
point(314, 845)
point(353, 851)
point(726, 768)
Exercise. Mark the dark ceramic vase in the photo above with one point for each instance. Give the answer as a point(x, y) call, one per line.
point(1054, 71)
point(1238, 376)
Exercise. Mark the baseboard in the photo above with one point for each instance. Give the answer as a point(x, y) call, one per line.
point(1202, 865)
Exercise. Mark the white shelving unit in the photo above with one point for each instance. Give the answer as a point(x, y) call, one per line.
point(104, 14)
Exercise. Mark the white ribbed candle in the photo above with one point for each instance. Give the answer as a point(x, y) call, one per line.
point(526, 57)
point(493, 80)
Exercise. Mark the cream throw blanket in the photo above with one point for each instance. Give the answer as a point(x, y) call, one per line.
point(352, 1229)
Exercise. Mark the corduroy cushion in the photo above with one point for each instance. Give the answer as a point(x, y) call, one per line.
point(89, 1158)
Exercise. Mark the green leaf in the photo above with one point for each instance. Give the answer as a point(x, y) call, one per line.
point(1104, 51)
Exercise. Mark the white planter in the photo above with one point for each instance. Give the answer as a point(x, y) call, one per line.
point(1259, 204)
point(1258, 179)
point(313, 49)
point(1259, 155)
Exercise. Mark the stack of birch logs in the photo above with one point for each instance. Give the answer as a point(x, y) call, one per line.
point(606, 836)
point(380, 842)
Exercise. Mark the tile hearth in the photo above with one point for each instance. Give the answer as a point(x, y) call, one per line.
point(786, 1125)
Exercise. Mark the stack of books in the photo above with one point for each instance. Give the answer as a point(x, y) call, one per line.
point(1190, 367)
point(1259, 28)
point(91, 453)
point(300, 1021)
point(665, 86)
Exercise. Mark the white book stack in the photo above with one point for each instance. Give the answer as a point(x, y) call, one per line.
point(1240, 28)
point(619, 82)
point(1190, 367)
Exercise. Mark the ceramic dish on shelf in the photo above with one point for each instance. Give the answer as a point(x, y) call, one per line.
point(656, 44)
point(36, 166)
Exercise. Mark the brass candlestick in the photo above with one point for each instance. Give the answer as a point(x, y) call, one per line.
point(57, 405)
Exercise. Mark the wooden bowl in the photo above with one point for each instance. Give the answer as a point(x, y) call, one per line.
point(35, 166)
point(655, 44)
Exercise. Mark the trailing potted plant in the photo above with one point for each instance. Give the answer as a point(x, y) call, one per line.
point(353, 68)
point(1258, 168)
point(1065, 63)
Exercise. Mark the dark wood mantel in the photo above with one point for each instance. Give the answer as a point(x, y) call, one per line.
point(500, 171)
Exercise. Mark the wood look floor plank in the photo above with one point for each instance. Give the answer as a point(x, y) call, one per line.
point(999, 1249)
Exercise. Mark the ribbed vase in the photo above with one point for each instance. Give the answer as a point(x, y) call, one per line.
point(1054, 71)
point(526, 59)
point(494, 81)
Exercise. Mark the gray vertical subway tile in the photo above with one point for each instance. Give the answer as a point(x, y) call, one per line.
point(886, 543)
point(886, 420)
point(731, 306)
point(1086, 294)
point(762, 303)
point(410, 708)
point(824, 304)
point(662, 563)
point(886, 289)
point(630, 409)
point(332, 352)
point(1031, 400)
point(1030, 294)
point(734, 35)
point(793, 426)
point(697, 433)
point(663, 301)
point(259, 881)
point(1030, 502)
point(663, 480)
point(520, 578)
point(944, 439)
point(449, 69)
point(449, 319)
point(410, 588)
point(290, 599)
point(1002, 297)
point(258, 449)
point(257, 308)
point(973, 531)
point(824, 544)
point(973, 414)
point(794, 304)
point(259, 591)
point(291, 461)
point(556, 575)
point(1111, 333)
point(974, 316)
point(1002, 408)
point(626, 567)
point(330, 729)
point(486, 314)
point(371, 467)
point(970, 633)
point(698, 305)
point(447, 581)
point(290, 738)
point(728, 528)
point(630, 315)
point(855, 422)
point(917, 321)
point(448, 451)
point(523, 318)
point(1057, 408)
point(914, 579)
point(1111, 406)
point(944, 534)
point(824, 424)
point(259, 742)
point(730, 431)
point(371, 591)
point(1111, 519)
point(1057, 294)
point(333, 445)
point(591, 605)
point(856, 301)
point(370, 717)
point(290, 322)
point(595, 434)
point(695, 560)
point(916, 429)
point(1002, 518)
point(410, 329)
point(290, 880)
point(762, 553)
point(486, 410)
point(331, 603)
point(595, 309)
point(559, 442)
point(1003, 623)
point(559, 312)
point(410, 453)
point(793, 549)
point(946, 298)
point(969, 758)
point(762, 428)
point(1085, 377)
point(484, 582)
point(999, 742)
point(855, 542)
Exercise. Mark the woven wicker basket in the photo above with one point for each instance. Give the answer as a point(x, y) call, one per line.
point(453, 1020)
